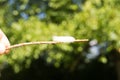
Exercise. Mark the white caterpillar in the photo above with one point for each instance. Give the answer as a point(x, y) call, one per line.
point(63, 38)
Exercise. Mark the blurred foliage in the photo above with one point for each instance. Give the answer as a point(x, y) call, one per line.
point(39, 20)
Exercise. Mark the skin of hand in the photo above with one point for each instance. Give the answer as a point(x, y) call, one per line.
point(4, 43)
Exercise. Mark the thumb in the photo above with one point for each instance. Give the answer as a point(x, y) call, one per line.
point(2, 48)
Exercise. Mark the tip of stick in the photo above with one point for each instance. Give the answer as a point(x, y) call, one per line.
point(81, 40)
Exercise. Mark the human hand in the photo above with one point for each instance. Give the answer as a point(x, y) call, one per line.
point(4, 43)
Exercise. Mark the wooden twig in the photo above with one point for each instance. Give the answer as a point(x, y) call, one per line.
point(43, 42)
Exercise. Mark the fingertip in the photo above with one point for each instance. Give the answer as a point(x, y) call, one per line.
point(7, 49)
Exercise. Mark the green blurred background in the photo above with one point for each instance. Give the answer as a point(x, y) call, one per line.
point(39, 20)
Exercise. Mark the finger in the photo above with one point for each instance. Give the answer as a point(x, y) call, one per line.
point(7, 49)
point(4, 43)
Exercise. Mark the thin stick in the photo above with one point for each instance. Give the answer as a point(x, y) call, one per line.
point(42, 42)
